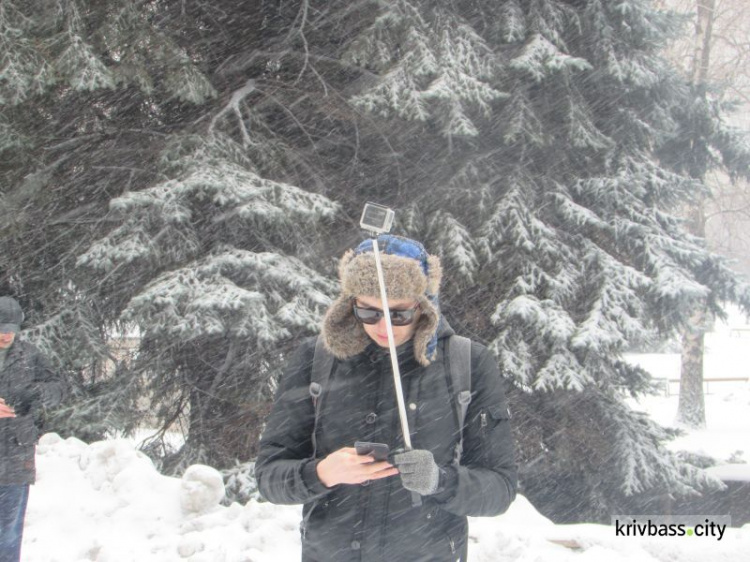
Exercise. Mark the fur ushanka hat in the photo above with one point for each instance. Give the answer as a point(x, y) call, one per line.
point(409, 273)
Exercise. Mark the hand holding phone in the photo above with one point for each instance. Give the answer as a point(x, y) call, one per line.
point(378, 451)
point(349, 465)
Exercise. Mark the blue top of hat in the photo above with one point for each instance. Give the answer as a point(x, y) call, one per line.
point(397, 246)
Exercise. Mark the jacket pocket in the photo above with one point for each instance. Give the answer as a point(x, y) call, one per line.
point(488, 419)
point(318, 508)
point(456, 539)
point(494, 414)
point(449, 535)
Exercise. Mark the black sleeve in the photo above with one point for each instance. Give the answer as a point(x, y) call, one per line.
point(285, 468)
point(484, 484)
point(43, 387)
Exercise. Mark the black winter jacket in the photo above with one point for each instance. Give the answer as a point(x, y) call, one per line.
point(376, 521)
point(29, 385)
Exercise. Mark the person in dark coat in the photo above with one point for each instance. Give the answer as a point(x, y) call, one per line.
point(28, 386)
point(356, 509)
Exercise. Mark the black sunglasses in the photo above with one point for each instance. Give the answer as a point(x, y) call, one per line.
point(399, 317)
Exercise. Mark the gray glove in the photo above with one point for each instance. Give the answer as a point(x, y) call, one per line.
point(418, 470)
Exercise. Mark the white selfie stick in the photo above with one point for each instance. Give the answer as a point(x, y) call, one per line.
point(392, 348)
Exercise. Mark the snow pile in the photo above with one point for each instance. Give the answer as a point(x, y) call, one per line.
point(105, 502)
point(201, 490)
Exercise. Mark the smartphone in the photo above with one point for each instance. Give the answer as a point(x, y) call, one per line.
point(378, 451)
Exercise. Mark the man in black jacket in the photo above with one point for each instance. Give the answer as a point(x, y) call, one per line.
point(27, 387)
point(358, 509)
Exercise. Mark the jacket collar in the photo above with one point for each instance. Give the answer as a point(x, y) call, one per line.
point(15, 352)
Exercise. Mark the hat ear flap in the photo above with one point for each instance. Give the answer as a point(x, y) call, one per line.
point(342, 333)
point(434, 274)
point(429, 318)
point(345, 259)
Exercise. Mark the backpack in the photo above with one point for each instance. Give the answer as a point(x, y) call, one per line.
point(459, 383)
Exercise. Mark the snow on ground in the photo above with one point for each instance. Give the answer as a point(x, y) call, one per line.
point(105, 502)
point(726, 437)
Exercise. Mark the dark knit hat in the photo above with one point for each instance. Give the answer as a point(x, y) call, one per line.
point(11, 315)
point(409, 273)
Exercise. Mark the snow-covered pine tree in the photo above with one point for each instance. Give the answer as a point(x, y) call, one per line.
point(554, 216)
point(100, 102)
point(79, 125)
point(516, 138)
point(206, 126)
point(213, 289)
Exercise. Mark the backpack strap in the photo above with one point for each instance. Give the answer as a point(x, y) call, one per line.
point(459, 357)
point(321, 371)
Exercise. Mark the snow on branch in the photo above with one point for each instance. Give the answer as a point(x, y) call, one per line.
point(562, 371)
point(233, 106)
point(615, 315)
point(188, 84)
point(512, 22)
point(539, 58)
point(82, 67)
point(230, 293)
point(438, 68)
point(454, 243)
point(644, 463)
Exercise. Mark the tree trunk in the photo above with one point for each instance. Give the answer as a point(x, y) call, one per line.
point(703, 35)
point(691, 408)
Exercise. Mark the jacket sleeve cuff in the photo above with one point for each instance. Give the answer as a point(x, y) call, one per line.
point(310, 477)
point(447, 484)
